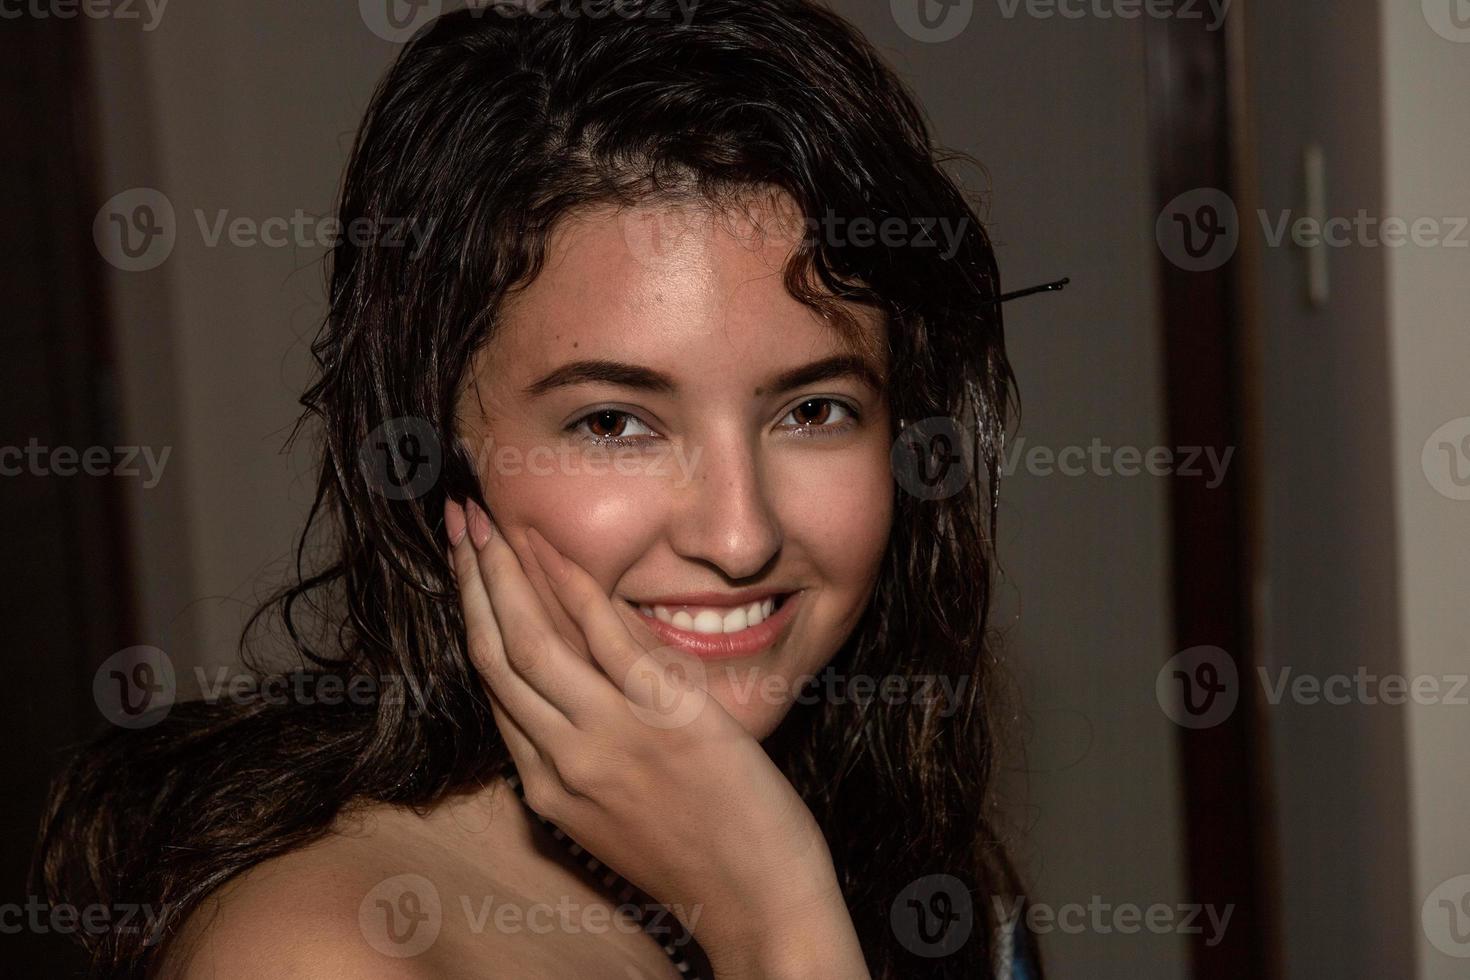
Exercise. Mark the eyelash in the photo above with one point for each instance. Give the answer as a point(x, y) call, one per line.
point(802, 431)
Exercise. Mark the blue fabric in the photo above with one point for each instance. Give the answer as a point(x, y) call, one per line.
point(1022, 967)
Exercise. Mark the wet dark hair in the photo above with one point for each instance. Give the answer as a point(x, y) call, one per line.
point(488, 129)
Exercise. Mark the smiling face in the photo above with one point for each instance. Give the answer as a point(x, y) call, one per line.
point(665, 413)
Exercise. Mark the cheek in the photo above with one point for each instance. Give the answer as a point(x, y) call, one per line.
point(604, 523)
point(837, 510)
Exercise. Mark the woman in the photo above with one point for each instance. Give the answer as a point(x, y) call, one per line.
point(662, 624)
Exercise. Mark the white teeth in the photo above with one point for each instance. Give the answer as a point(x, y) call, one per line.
point(713, 619)
point(709, 621)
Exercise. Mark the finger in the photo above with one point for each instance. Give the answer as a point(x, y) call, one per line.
point(608, 636)
point(565, 626)
point(486, 644)
point(523, 752)
point(533, 647)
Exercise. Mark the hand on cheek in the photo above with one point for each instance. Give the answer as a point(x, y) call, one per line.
point(515, 535)
point(636, 764)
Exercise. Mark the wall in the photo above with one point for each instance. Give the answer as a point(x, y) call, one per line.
point(1329, 590)
point(1427, 175)
point(250, 110)
point(1365, 573)
point(1054, 110)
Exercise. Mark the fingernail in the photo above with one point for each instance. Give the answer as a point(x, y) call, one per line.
point(547, 555)
point(481, 530)
point(454, 522)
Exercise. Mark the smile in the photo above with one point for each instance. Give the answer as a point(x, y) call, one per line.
point(714, 631)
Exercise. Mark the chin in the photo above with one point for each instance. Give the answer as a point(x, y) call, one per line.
point(758, 696)
point(759, 719)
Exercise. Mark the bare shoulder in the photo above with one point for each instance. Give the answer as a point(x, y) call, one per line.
point(292, 916)
point(342, 907)
point(391, 894)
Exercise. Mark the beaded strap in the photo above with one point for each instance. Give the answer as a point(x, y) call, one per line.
point(625, 890)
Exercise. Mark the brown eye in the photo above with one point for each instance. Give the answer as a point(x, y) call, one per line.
point(813, 412)
point(610, 426)
point(815, 416)
point(607, 424)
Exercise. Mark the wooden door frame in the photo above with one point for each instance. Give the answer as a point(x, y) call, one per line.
point(1196, 93)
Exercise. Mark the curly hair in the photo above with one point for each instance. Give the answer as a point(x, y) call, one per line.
point(490, 127)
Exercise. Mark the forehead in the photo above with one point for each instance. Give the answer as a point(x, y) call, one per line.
point(694, 291)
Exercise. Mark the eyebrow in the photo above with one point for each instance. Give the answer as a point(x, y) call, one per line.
point(647, 379)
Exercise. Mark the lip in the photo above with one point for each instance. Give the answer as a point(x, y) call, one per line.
point(719, 646)
point(724, 599)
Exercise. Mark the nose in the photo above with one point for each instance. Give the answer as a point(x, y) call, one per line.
point(724, 516)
